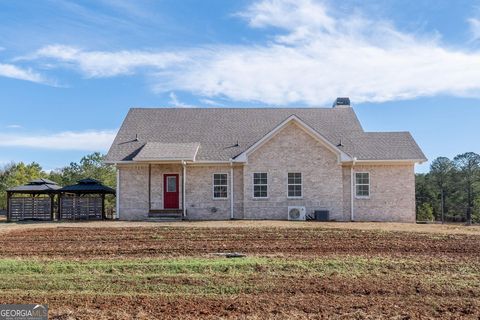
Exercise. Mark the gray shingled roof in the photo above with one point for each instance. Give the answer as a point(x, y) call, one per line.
point(160, 151)
point(224, 133)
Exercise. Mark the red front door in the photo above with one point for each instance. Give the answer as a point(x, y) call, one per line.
point(170, 191)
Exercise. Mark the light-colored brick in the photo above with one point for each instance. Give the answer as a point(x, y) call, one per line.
point(326, 185)
point(293, 150)
point(392, 194)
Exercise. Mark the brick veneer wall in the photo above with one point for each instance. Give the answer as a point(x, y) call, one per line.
point(294, 150)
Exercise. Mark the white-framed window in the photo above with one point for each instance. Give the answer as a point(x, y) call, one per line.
point(220, 186)
point(294, 185)
point(260, 185)
point(362, 184)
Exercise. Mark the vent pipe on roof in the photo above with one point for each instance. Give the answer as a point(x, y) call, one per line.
point(136, 137)
point(341, 102)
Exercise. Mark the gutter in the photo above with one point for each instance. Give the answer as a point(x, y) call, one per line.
point(184, 201)
point(117, 198)
point(352, 191)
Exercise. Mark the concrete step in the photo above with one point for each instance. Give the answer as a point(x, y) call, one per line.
point(163, 219)
point(166, 214)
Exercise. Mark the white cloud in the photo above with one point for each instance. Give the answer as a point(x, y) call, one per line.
point(86, 140)
point(315, 54)
point(289, 14)
point(319, 57)
point(14, 126)
point(15, 72)
point(474, 28)
point(177, 103)
point(211, 102)
point(97, 64)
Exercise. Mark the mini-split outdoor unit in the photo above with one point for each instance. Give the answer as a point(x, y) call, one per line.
point(297, 213)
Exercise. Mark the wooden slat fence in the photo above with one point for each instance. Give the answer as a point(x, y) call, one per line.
point(80, 208)
point(30, 208)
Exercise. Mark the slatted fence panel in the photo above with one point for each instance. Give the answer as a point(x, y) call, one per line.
point(30, 208)
point(81, 208)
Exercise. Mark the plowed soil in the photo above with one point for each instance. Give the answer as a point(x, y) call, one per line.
point(87, 243)
point(166, 272)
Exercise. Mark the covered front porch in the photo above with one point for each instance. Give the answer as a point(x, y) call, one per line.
point(166, 171)
point(166, 190)
point(164, 181)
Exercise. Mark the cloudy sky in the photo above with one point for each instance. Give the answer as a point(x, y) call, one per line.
point(69, 71)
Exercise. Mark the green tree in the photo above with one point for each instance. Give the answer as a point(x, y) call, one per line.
point(425, 212)
point(425, 191)
point(90, 166)
point(468, 166)
point(15, 174)
point(440, 172)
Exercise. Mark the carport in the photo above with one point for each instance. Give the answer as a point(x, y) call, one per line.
point(83, 201)
point(33, 201)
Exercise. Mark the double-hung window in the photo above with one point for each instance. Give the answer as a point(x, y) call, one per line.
point(362, 184)
point(294, 184)
point(220, 186)
point(260, 185)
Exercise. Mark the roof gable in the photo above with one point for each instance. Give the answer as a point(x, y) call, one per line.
point(342, 156)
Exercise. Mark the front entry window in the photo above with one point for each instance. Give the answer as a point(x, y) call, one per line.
point(171, 184)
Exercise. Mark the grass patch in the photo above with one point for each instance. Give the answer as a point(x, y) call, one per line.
point(220, 276)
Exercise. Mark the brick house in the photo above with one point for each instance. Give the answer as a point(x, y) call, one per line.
point(243, 163)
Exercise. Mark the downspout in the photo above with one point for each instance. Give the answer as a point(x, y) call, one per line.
point(231, 190)
point(117, 198)
point(352, 191)
point(184, 176)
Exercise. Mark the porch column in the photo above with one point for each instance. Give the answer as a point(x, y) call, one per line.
point(231, 191)
point(184, 179)
point(149, 188)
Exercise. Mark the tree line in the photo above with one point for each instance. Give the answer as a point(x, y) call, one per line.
point(90, 166)
point(450, 191)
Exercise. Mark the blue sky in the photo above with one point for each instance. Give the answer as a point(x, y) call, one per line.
point(69, 71)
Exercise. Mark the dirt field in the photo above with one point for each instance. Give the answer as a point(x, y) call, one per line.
point(120, 270)
point(378, 226)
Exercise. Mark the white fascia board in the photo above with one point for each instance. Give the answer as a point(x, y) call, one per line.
point(391, 161)
point(342, 156)
point(118, 162)
point(164, 160)
point(209, 163)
